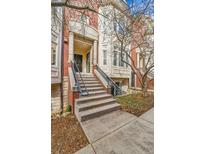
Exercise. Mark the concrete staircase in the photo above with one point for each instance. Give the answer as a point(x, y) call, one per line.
point(97, 103)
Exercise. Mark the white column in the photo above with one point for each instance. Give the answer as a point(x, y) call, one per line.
point(95, 52)
point(91, 59)
point(84, 63)
point(70, 49)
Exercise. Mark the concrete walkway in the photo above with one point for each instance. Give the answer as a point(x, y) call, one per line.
point(120, 133)
point(148, 116)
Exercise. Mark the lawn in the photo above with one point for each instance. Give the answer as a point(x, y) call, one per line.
point(136, 103)
point(67, 136)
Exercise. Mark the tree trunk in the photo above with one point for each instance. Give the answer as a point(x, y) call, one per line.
point(144, 89)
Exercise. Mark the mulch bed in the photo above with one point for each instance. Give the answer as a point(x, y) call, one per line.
point(136, 103)
point(67, 136)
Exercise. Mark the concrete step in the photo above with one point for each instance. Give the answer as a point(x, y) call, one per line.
point(88, 79)
point(91, 85)
point(94, 104)
point(86, 99)
point(95, 93)
point(92, 88)
point(85, 75)
point(98, 111)
point(99, 92)
point(89, 82)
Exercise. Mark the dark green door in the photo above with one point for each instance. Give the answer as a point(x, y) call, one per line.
point(78, 59)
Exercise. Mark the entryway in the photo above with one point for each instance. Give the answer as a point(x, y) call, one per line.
point(82, 53)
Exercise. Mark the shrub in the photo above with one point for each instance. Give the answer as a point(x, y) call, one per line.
point(68, 108)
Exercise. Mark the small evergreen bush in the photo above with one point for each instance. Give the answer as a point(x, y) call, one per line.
point(68, 108)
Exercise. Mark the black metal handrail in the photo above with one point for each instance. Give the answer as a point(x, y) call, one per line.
point(117, 89)
point(74, 65)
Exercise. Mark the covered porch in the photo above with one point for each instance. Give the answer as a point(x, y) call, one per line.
point(83, 48)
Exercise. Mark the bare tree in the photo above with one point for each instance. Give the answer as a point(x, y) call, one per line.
point(134, 30)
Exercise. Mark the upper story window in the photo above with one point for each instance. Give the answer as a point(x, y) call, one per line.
point(115, 47)
point(115, 26)
point(54, 47)
point(53, 53)
point(115, 58)
point(119, 59)
point(141, 60)
point(85, 19)
point(104, 57)
point(132, 79)
point(123, 59)
point(119, 26)
point(127, 60)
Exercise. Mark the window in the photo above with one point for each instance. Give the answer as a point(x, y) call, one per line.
point(115, 26)
point(132, 79)
point(123, 58)
point(85, 19)
point(120, 59)
point(141, 60)
point(54, 48)
point(53, 53)
point(115, 58)
point(115, 47)
point(127, 60)
point(104, 57)
point(119, 26)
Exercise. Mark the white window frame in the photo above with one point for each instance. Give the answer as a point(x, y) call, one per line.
point(123, 58)
point(115, 53)
point(85, 19)
point(127, 59)
point(119, 64)
point(133, 78)
point(104, 56)
point(55, 41)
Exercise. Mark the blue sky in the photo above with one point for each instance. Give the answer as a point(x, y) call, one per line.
point(138, 2)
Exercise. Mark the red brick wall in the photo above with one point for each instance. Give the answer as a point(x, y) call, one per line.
point(65, 60)
point(73, 14)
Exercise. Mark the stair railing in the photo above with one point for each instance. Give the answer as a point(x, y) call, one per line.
point(82, 92)
point(111, 83)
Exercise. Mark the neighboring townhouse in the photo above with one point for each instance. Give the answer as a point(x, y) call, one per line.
point(56, 50)
point(109, 58)
point(141, 59)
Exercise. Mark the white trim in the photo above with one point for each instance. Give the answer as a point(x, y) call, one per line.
point(71, 47)
point(85, 30)
point(95, 52)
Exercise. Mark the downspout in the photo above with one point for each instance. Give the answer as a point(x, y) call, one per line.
point(62, 59)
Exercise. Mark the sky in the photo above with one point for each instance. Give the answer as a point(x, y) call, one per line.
point(137, 3)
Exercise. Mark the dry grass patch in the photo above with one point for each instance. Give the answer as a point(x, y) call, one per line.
point(136, 103)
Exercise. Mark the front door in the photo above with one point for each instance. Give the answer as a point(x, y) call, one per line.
point(78, 59)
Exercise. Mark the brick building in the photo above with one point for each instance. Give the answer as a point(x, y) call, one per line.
point(91, 68)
